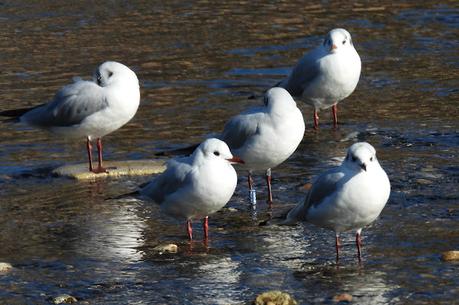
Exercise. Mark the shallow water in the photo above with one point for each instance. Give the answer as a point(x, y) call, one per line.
point(198, 63)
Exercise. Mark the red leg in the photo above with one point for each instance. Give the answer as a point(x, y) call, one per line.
point(189, 229)
point(100, 168)
point(337, 246)
point(89, 149)
point(205, 226)
point(268, 182)
point(358, 243)
point(316, 119)
point(335, 115)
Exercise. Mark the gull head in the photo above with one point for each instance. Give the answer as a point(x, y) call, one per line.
point(215, 149)
point(278, 96)
point(112, 72)
point(361, 156)
point(338, 40)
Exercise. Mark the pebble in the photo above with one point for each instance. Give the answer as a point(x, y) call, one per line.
point(166, 248)
point(64, 298)
point(274, 297)
point(307, 186)
point(423, 181)
point(450, 256)
point(5, 267)
point(344, 297)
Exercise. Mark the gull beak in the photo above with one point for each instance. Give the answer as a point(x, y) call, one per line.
point(363, 166)
point(235, 160)
point(333, 47)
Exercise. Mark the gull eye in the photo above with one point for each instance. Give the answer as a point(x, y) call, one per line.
point(354, 159)
point(371, 159)
point(344, 41)
point(110, 73)
point(216, 153)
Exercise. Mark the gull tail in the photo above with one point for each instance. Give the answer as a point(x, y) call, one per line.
point(14, 115)
point(296, 214)
point(287, 217)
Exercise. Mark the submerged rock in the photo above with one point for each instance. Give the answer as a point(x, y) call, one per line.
point(5, 267)
point(64, 298)
point(114, 169)
point(274, 297)
point(166, 248)
point(450, 256)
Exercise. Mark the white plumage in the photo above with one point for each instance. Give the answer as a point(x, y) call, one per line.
point(327, 74)
point(347, 197)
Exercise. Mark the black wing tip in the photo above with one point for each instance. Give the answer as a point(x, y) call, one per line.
point(13, 113)
point(122, 196)
point(178, 152)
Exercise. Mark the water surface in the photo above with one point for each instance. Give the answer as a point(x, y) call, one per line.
point(198, 62)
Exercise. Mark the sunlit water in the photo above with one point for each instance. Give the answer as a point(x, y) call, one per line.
point(198, 63)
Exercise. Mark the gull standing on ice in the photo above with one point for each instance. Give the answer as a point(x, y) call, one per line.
point(196, 186)
point(266, 136)
point(90, 109)
point(347, 197)
point(326, 75)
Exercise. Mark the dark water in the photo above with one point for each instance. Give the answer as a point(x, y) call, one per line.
point(198, 62)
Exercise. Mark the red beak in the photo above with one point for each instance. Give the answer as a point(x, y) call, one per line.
point(235, 159)
point(333, 47)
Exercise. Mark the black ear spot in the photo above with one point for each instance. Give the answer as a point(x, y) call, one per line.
point(110, 73)
point(371, 159)
point(217, 153)
point(344, 41)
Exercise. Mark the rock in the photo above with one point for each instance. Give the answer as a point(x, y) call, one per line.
point(344, 297)
point(450, 256)
point(64, 298)
point(114, 169)
point(5, 267)
point(166, 248)
point(274, 297)
point(351, 136)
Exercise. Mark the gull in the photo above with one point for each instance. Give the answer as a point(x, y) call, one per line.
point(326, 75)
point(347, 197)
point(196, 186)
point(90, 109)
point(266, 136)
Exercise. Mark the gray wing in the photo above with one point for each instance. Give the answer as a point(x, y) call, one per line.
point(305, 71)
point(168, 182)
point(241, 127)
point(325, 185)
point(71, 105)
